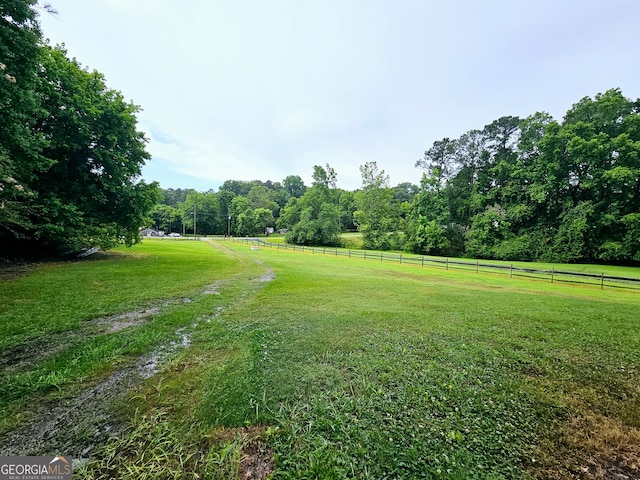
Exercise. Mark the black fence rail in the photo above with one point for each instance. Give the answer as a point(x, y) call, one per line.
point(599, 280)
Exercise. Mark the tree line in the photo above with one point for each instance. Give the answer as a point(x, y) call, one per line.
point(70, 152)
point(517, 189)
point(308, 215)
point(536, 188)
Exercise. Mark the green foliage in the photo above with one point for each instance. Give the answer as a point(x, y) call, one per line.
point(631, 243)
point(261, 197)
point(247, 220)
point(316, 227)
point(254, 222)
point(91, 194)
point(487, 231)
point(374, 215)
point(429, 222)
point(166, 218)
point(20, 145)
point(314, 219)
point(208, 216)
point(324, 177)
point(70, 154)
point(536, 188)
point(294, 186)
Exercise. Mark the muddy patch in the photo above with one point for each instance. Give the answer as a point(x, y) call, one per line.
point(77, 425)
point(72, 426)
point(116, 323)
point(13, 269)
point(23, 356)
point(257, 461)
point(30, 352)
point(267, 277)
point(213, 289)
point(151, 364)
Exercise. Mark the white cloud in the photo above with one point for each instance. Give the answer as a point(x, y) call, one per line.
point(261, 90)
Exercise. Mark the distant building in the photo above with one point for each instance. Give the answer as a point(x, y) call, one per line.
point(151, 232)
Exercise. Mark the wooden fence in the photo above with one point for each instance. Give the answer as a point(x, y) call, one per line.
point(599, 280)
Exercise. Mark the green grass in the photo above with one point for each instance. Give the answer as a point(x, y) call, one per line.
point(57, 297)
point(353, 241)
point(52, 341)
point(401, 372)
point(343, 368)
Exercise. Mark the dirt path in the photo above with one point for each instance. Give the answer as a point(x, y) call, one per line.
point(75, 426)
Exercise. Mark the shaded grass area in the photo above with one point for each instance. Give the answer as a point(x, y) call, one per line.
point(344, 369)
point(57, 297)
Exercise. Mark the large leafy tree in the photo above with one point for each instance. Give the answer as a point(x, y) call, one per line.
point(203, 208)
point(294, 186)
point(592, 176)
point(429, 218)
point(166, 218)
point(91, 194)
point(374, 214)
point(20, 144)
point(316, 214)
point(70, 154)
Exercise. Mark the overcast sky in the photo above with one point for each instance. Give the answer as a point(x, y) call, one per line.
point(258, 90)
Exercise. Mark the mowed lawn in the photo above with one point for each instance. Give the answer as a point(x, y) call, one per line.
point(316, 366)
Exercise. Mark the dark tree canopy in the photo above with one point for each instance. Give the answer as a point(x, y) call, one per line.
point(70, 153)
point(536, 189)
point(20, 144)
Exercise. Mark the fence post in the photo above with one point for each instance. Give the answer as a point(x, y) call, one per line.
point(380, 256)
point(400, 259)
point(447, 267)
point(511, 271)
point(602, 281)
point(552, 272)
point(477, 265)
point(423, 260)
point(349, 253)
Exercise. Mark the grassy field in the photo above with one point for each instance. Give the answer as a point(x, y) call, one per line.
point(313, 366)
point(353, 241)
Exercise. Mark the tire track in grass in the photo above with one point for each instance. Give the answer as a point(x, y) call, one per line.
point(77, 425)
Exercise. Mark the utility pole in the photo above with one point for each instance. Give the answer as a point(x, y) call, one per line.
point(194, 222)
point(229, 227)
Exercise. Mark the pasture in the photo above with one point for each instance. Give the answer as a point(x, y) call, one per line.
point(296, 365)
